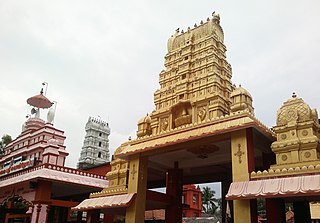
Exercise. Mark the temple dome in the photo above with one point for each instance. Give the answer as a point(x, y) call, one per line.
point(34, 124)
point(241, 99)
point(295, 110)
point(146, 119)
point(240, 91)
point(144, 126)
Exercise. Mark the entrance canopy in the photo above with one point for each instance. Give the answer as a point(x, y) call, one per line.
point(308, 185)
point(203, 151)
point(227, 124)
point(115, 201)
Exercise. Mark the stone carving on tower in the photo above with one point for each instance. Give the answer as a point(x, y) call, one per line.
point(298, 133)
point(195, 85)
point(95, 150)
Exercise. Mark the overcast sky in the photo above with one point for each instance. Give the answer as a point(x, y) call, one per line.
point(103, 58)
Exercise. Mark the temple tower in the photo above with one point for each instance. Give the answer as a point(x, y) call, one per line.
point(298, 135)
point(95, 149)
point(195, 85)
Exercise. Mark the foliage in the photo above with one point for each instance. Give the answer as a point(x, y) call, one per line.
point(5, 140)
point(210, 204)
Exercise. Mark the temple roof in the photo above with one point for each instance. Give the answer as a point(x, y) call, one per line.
point(55, 173)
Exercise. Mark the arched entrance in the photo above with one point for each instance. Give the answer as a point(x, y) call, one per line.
point(15, 209)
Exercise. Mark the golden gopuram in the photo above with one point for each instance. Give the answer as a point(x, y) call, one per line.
point(203, 129)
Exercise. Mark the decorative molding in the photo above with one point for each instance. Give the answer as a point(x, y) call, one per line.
point(303, 170)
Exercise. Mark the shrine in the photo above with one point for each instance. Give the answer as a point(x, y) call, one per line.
point(35, 185)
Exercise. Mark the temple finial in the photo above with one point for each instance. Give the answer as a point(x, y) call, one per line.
point(294, 95)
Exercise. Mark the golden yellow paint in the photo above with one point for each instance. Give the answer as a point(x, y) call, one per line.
point(239, 153)
point(241, 211)
point(137, 184)
point(239, 156)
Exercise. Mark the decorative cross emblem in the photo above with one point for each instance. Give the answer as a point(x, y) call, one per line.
point(133, 171)
point(239, 153)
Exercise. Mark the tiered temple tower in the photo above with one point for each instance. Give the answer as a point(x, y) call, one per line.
point(195, 85)
point(95, 150)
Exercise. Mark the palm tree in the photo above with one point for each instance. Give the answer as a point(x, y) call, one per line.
point(209, 202)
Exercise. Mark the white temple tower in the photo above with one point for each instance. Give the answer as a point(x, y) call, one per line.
point(95, 149)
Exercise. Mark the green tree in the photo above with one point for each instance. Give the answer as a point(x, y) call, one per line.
point(209, 202)
point(5, 140)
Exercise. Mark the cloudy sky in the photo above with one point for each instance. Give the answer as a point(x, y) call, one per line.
point(102, 58)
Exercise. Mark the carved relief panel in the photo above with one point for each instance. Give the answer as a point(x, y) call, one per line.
point(164, 124)
point(202, 113)
point(181, 114)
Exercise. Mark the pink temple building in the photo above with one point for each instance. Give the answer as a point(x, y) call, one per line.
point(35, 185)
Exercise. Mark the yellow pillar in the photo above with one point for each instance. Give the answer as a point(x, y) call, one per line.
point(137, 183)
point(240, 171)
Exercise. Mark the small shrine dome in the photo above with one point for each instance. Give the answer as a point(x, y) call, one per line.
point(33, 124)
point(144, 126)
point(241, 99)
point(295, 110)
point(240, 91)
point(146, 119)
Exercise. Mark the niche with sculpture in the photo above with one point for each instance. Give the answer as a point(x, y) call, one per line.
point(181, 114)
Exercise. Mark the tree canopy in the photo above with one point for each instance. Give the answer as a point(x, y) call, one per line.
point(210, 203)
point(5, 140)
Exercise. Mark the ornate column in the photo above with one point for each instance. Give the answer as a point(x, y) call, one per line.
point(242, 164)
point(137, 183)
point(174, 188)
point(43, 195)
point(48, 211)
point(38, 212)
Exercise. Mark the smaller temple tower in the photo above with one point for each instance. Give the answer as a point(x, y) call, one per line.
point(95, 149)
